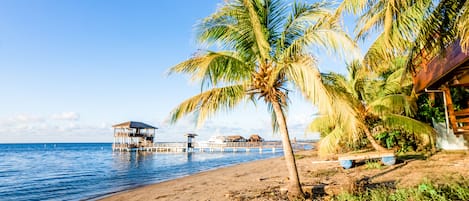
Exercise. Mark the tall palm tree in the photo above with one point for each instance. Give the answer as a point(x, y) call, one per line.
point(264, 51)
point(367, 104)
point(395, 21)
point(425, 27)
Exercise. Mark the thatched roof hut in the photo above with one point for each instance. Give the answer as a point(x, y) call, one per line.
point(235, 138)
point(132, 134)
point(255, 138)
point(134, 124)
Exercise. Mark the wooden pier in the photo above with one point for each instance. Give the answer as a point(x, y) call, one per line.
point(177, 147)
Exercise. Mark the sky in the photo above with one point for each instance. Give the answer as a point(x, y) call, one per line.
point(69, 70)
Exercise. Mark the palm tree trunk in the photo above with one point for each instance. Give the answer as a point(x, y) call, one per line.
point(373, 142)
point(294, 188)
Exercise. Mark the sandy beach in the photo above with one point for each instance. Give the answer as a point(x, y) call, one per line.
point(262, 180)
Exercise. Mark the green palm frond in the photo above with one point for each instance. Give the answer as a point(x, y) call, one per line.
point(463, 27)
point(423, 131)
point(379, 56)
point(322, 124)
point(306, 77)
point(346, 116)
point(326, 34)
point(353, 6)
point(330, 144)
point(344, 105)
point(209, 102)
point(215, 67)
point(396, 82)
point(222, 27)
point(395, 19)
point(260, 39)
point(395, 104)
point(303, 15)
point(397, 26)
point(439, 29)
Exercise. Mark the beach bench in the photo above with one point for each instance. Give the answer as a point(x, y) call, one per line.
point(347, 160)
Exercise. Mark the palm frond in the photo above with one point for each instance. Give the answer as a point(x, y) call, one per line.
point(423, 131)
point(260, 39)
point(213, 68)
point(327, 34)
point(463, 27)
point(322, 124)
point(330, 144)
point(306, 77)
point(303, 15)
point(438, 30)
point(395, 104)
point(353, 6)
point(209, 102)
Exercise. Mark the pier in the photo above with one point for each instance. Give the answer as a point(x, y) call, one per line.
point(137, 136)
point(178, 147)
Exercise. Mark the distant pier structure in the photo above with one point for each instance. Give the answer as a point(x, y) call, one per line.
point(132, 135)
point(190, 144)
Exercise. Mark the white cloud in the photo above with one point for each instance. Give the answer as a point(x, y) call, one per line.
point(65, 127)
point(68, 116)
point(26, 118)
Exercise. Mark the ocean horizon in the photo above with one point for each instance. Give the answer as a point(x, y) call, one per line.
point(84, 171)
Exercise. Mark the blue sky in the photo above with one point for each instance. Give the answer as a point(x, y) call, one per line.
point(69, 70)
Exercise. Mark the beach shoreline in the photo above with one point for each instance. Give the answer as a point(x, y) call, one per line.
point(264, 179)
point(108, 196)
point(190, 187)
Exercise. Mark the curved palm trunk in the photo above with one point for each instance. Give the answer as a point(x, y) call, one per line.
point(294, 188)
point(373, 142)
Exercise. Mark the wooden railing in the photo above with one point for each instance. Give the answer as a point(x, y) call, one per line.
point(462, 122)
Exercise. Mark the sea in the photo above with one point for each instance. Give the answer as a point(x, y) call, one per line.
point(86, 171)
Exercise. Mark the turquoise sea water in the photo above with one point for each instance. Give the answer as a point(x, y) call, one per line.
point(80, 171)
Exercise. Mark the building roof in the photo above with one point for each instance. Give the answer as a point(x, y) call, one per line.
point(452, 66)
point(191, 135)
point(235, 137)
point(255, 136)
point(133, 124)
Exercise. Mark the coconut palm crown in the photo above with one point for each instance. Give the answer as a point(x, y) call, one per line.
point(263, 50)
point(372, 103)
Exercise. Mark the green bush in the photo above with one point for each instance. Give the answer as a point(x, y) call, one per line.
point(456, 190)
point(400, 140)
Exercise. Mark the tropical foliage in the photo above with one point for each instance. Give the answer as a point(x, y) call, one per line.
point(263, 51)
point(425, 27)
point(378, 105)
point(414, 30)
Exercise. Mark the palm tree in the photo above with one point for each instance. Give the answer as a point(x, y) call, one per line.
point(396, 22)
point(368, 104)
point(425, 27)
point(446, 22)
point(263, 52)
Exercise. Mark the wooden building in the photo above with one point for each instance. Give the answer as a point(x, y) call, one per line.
point(133, 135)
point(439, 74)
point(235, 138)
point(255, 138)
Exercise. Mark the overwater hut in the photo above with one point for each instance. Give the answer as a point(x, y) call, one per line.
point(255, 138)
point(439, 75)
point(235, 138)
point(132, 134)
